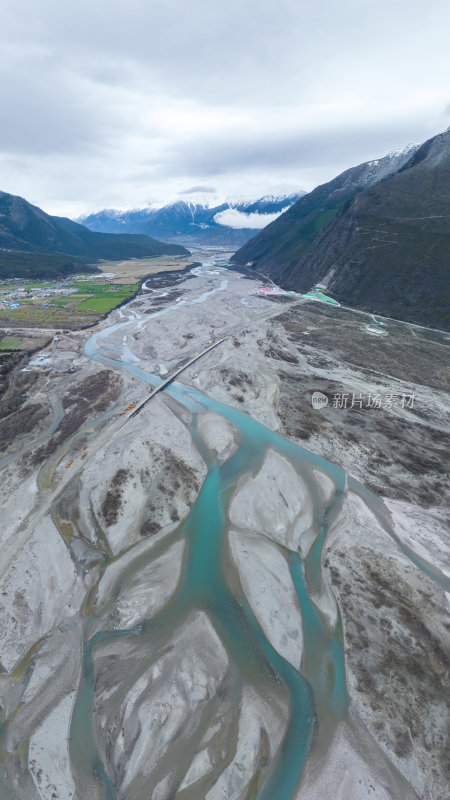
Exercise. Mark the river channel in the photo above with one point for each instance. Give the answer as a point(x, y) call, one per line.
point(317, 694)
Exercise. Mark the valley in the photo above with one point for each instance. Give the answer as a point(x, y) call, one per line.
point(232, 593)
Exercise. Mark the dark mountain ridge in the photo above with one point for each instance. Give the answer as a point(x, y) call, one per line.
point(26, 228)
point(377, 238)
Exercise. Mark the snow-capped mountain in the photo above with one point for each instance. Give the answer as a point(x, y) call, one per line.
point(230, 223)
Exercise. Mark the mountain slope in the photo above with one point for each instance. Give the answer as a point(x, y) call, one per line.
point(27, 228)
point(383, 248)
point(116, 245)
point(193, 223)
point(283, 242)
point(37, 266)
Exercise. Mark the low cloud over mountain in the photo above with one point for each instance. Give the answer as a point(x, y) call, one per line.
point(233, 218)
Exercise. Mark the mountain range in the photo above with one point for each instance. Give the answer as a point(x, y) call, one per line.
point(26, 228)
point(378, 236)
point(228, 224)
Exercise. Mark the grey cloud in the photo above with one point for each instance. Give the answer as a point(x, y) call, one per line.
point(105, 99)
point(257, 150)
point(233, 51)
point(195, 49)
point(199, 190)
point(51, 110)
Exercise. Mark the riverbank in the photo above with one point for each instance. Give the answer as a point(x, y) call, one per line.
point(217, 619)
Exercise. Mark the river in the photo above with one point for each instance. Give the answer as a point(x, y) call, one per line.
point(317, 693)
point(319, 689)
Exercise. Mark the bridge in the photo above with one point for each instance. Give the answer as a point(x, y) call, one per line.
point(173, 376)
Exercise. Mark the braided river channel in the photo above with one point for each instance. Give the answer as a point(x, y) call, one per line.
point(289, 685)
point(318, 690)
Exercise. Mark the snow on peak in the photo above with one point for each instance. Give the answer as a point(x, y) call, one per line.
point(403, 151)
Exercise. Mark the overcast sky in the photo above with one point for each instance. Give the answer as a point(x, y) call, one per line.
point(118, 104)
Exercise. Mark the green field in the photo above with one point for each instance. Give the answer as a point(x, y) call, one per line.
point(103, 303)
point(104, 297)
point(10, 343)
point(94, 287)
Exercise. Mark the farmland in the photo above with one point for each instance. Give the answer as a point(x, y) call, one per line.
point(138, 268)
point(10, 343)
point(77, 301)
point(99, 297)
point(66, 304)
